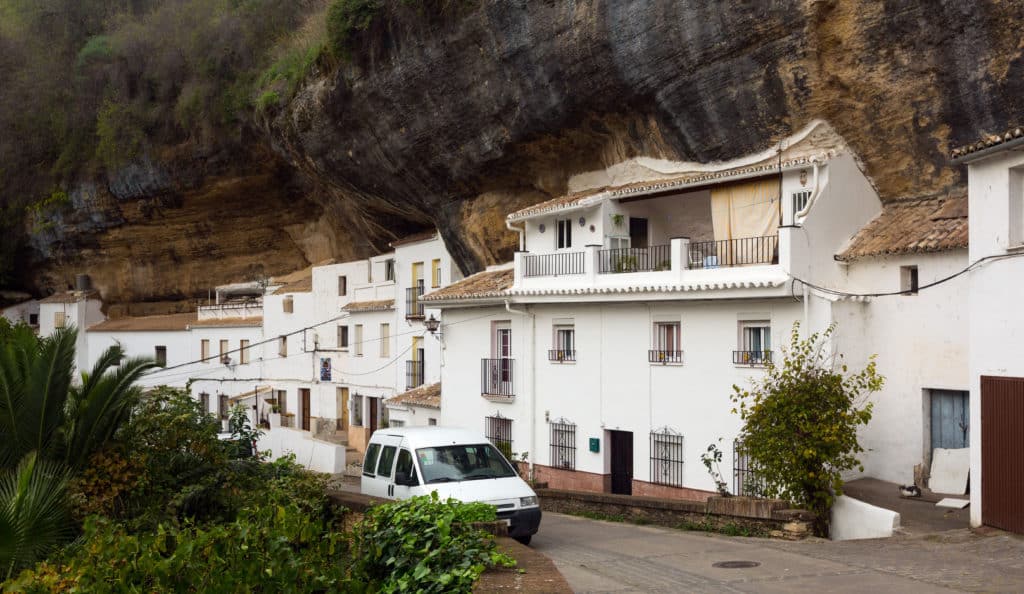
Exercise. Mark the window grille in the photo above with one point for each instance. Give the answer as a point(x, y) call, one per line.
point(563, 444)
point(667, 457)
point(498, 430)
point(800, 199)
point(747, 480)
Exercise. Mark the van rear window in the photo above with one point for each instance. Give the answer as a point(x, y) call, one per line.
point(370, 462)
point(387, 458)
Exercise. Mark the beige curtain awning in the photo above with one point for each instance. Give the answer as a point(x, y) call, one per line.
point(749, 209)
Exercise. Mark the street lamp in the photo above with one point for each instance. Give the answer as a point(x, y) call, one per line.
point(433, 324)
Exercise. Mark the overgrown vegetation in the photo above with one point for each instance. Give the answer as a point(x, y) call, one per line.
point(801, 421)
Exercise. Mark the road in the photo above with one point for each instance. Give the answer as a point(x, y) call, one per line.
point(597, 556)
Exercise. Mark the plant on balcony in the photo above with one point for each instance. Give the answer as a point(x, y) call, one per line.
point(663, 265)
point(560, 356)
point(661, 356)
point(625, 264)
point(618, 219)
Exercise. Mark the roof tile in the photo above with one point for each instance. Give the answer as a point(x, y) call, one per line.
point(912, 226)
point(489, 283)
point(428, 396)
point(379, 305)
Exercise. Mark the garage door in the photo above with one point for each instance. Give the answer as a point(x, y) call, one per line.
point(1002, 452)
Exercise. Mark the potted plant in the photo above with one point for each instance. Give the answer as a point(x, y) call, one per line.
point(618, 219)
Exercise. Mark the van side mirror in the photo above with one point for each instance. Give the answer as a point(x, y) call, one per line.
point(406, 479)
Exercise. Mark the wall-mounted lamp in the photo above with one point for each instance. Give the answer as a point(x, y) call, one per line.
point(433, 324)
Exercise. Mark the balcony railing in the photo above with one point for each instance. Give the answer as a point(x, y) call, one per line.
point(655, 257)
point(560, 356)
point(496, 377)
point(413, 303)
point(751, 357)
point(556, 264)
point(660, 356)
point(413, 374)
point(734, 252)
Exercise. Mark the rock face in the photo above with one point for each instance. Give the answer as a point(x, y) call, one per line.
point(455, 116)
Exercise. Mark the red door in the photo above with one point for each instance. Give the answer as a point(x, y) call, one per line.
point(1002, 452)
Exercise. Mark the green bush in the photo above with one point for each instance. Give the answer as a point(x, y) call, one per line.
point(346, 18)
point(423, 545)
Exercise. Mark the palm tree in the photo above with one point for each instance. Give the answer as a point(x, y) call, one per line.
point(33, 516)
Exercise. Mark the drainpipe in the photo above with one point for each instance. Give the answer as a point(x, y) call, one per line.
point(798, 217)
point(533, 379)
point(522, 238)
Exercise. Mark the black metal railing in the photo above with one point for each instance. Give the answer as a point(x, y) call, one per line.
point(734, 252)
point(413, 374)
point(655, 257)
point(751, 357)
point(560, 355)
point(556, 264)
point(413, 302)
point(496, 377)
point(659, 356)
point(498, 431)
point(747, 479)
point(563, 444)
point(667, 458)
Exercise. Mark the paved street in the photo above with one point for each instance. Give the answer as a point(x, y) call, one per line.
point(611, 557)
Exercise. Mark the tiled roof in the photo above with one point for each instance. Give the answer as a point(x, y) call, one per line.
point(254, 321)
point(168, 322)
point(251, 393)
point(415, 237)
point(304, 285)
point(489, 283)
point(300, 281)
point(428, 396)
point(379, 305)
point(70, 297)
point(912, 226)
point(987, 142)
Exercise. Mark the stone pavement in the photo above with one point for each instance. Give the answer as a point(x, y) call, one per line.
point(599, 556)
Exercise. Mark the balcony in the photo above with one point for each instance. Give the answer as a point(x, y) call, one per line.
point(751, 357)
point(734, 252)
point(413, 303)
point(654, 258)
point(556, 264)
point(413, 374)
point(562, 356)
point(497, 379)
point(665, 357)
point(232, 309)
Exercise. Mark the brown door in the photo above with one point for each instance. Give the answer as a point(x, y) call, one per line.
point(622, 462)
point(1002, 452)
point(372, 404)
point(304, 403)
point(343, 408)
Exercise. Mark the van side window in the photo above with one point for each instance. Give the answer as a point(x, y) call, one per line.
point(370, 462)
point(387, 458)
point(404, 464)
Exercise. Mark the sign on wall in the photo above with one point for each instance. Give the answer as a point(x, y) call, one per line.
point(325, 369)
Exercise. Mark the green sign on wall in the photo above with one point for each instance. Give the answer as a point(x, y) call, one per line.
point(595, 444)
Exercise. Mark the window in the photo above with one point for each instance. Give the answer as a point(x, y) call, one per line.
point(357, 411)
point(385, 340)
point(1016, 208)
point(564, 235)
point(342, 286)
point(359, 340)
point(563, 444)
point(563, 343)
point(204, 402)
point(498, 430)
point(667, 343)
point(667, 458)
point(396, 423)
point(161, 356)
point(370, 461)
point(33, 319)
point(389, 270)
point(204, 350)
point(755, 342)
point(243, 351)
point(435, 273)
point(282, 401)
point(288, 304)
point(222, 406)
point(431, 422)
point(405, 465)
point(342, 337)
point(224, 356)
point(908, 280)
point(618, 243)
point(800, 198)
point(60, 319)
point(387, 459)
point(282, 346)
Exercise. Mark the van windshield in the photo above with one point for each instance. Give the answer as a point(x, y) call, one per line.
point(462, 463)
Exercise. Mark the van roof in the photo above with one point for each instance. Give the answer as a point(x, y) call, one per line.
point(425, 437)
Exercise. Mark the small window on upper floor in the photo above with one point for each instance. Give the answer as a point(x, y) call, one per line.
point(800, 198)
point(342, 337)
point(435, 273)
point(564, 235)
point(282, 346)
point(33, 319)
point(1016, 208)
point(161, 356)
point(60, 319)
point(225, 358)
point(288, 304)
point(243, 351)
point(755, 343)
point(908, 280)
point(563, 347)
point(389, 270)
point(204, 350)
point(666, 343)
point(359, 340)
point(342, 286)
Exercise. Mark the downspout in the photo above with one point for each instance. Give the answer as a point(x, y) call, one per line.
point(533, 379)
point(522, 240)
point(799, 216)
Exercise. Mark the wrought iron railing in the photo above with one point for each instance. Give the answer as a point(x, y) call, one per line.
point(413, 302)
point(667, 457)
point(655, 257)
point(413, 374)
point(747, 479)
point(734, 252)
point(497, 377)
point(556, 264)
point(560, 355)
point(563, 444)
point(751, 357)
point(498, 431)
point(659, 356)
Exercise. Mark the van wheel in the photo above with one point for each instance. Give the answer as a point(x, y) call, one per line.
point(524, 539)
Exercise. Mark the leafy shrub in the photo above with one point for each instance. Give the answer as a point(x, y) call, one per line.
point(346, 18)
point(267, 100)
point(423, 545)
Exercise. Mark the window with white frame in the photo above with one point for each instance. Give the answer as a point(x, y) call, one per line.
point(396, 423)
point(204, 401)
point(389, 269)
point(342, 336)
point(618, 243)
point(755, 342)
point(1016, 208)
point(800, 198)
point(204, 350)
point(359, 340)
point(282, 346)
point(564, 234)
point(385, 340)
point(243, 351)
point(666, 346)
point(908, 280)
point(563, 347)
point(224, 357)
point(160, 354)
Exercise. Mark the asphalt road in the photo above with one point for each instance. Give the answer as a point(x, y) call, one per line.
point(597, 556)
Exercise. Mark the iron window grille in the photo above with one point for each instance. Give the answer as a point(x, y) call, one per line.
point(659, 356)
point(498, 431)
point(800, 199)
point(667, 457)
point(561, 355)
point(496, 377)
point(413, 301)
point(751, 357)
point(747, 479)
point(563, 444)
point(413, 374)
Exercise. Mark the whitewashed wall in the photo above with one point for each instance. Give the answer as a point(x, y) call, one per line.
point(21, 312)
point(143, 344)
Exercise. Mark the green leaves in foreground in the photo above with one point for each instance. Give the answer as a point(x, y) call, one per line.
point(33, 518)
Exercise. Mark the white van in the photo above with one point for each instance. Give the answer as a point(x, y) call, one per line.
point(458, 463)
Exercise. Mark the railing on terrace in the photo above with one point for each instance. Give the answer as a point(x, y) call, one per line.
point(734, 252)
point(413, 302)
point(496, 377)
point(747, 480)
point(413, 374)
point(659, 356)
point(655, 257)
point(556, 264)
point(561, 355)
point(751, 357)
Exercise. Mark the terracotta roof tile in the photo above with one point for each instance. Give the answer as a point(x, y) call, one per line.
point(428, 396)
point(70, 297)
point(489, 283)
point(379, 305)
point(415, 237)
point(254, 321)
point(987, 141)
point(303, 285)
point(300, 281)
point(168, 322)
point(912, 226)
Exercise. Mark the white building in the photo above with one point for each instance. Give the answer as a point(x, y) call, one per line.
point(163, 338)
point(608, 351)
point(22, 309)
point(80, 309)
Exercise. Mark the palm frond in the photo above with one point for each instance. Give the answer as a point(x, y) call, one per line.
point(34, 519)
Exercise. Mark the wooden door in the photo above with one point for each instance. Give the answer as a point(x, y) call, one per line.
point(1002, 452)
point(304, 405)
point(950, 419)
point(622, 462)
point(637, 232)
point(371, 403)
point(342, 403)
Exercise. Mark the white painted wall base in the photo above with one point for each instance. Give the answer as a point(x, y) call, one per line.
point(320, 456)
point(853, 519)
